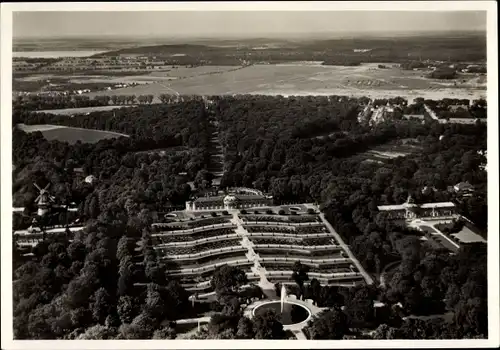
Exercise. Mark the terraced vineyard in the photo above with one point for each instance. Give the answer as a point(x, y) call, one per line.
point(264, 246)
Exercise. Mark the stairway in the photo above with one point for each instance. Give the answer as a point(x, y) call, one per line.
point(257, 268)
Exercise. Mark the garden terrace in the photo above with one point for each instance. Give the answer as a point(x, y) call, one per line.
point(187, 237)
point(330, 269)
point(212, 258)
point(279, 219)
point(292, 247)
point(243, 264)
point(317, 241)
point(207, 246)
point(290, 236)
point(328, 278)
point(296, 231)
point(292, 241)
point(329, 253)
point(320, 268)
point(225, 255)
point(212, 233)
point(270, 229)
point(194, 259)
point(327, 263)
point(187, 240)
point(298, 255)
point(311, 229)
point(276, 240)
point(173, 226)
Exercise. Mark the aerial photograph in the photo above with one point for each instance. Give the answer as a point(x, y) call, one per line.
point(293, 175)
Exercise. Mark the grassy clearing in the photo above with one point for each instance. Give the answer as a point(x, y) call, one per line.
point(382, 153)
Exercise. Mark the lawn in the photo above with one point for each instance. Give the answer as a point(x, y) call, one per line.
point(466, 235)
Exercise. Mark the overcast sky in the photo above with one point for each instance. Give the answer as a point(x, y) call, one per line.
point(241, 23)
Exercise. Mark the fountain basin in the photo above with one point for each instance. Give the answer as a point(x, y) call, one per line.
point(293, 313)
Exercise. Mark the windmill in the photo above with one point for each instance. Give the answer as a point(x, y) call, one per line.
point(44, 201)
point(46, 219)
point(46, 204)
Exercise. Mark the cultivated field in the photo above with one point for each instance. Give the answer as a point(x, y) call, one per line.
point(70, 111)
point(306, 79)
point(70, 134)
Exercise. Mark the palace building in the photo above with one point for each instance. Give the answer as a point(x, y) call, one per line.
point(410, 210)
point(237, 198)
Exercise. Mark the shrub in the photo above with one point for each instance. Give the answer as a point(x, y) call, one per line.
point(310, 211)
point(269, 212)
point(281, 212)
point(243, 211)
point(256, 212)
point(225, 212)
point(214, 214)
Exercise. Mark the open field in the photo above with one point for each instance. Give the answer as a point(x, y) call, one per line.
point(69, 134)
point(70, 111)
point(35, 82)
point(308, 79)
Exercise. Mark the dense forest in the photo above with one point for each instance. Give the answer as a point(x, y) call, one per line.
point(85, 288)
point(131, 172)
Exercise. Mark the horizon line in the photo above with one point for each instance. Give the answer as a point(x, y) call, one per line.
point(277, 35)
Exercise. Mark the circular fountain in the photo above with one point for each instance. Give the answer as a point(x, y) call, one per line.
point(292, 313)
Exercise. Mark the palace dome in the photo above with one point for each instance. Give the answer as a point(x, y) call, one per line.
point(230, 200)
